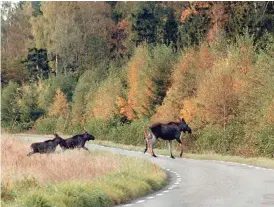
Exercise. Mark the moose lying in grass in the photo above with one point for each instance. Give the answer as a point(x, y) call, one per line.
point(167, 132)
point(48, 146)
point(77, 141)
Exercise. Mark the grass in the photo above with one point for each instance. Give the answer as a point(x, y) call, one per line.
point(257, 161)
point(73, 178)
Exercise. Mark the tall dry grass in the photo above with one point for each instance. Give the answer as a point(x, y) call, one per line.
point(71, 165)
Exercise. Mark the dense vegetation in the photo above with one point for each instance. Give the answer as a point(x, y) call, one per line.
point(118, 66)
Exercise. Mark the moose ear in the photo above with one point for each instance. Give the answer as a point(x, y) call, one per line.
point(183, 120)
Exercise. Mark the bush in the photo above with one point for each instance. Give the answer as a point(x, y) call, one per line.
point(102, 103)
point(45, 125)
point(215, 139)
point(266, 140)
point(66, 83)
point(84, 91)
point(132, 133)
point(29, 109)
point(99, 128)
point(9, 107)
point(36, 199)
point(83, 195)
point(113, 130)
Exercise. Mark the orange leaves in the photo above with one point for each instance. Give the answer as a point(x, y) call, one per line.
point(60, 106)
point(237, 85)
point(206, 58)
point(125, 108)
point(185, 14)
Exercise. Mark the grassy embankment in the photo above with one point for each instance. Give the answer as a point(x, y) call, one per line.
point(258, 161)
point(73, 178)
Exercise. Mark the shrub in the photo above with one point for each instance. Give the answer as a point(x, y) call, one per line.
point(66, 83)
point(83, 195)
point(29, 109)
point(45, 125)
point(9, 107)
point(59, 107)
point(84, 92)
point(99, 128)
point(266, 140)
point(36, 199)
point(132, 133)
point(103, 103)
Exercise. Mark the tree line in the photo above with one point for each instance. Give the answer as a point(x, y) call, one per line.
point(121, 65)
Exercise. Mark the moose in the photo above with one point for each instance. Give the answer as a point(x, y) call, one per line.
point(48, 146)
point(169, 132)
point(77, 141)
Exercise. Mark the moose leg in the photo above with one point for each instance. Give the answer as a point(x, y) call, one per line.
point(30, 153)
point(152, 143)
point(170, 148)
point(85, 148)
point(146, 147)
point(178, 140)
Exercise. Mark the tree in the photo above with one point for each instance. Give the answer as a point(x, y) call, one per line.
point(257, 17)
point(29, 110)
point(37, 63)
point(9, 108)
point(16, 28)
point(15, 40)
point(60, 107)
point(144, 22)
point(13, 69)
point(74, 33)
point(171, 29)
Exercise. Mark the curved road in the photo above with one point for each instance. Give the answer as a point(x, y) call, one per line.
point(196, 183)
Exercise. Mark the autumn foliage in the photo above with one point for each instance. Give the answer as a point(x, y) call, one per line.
point(59, 107)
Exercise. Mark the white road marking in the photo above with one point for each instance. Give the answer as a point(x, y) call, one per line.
point(140, 201)
point(166, 191)
point(128, 205)
point(159, 194)
point(151, 197)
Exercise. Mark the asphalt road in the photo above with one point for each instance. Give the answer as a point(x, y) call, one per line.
point(201, 183)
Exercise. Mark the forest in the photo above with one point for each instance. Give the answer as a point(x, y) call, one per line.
point(116, 67)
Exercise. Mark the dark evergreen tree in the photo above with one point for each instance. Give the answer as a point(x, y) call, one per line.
point(171, 29)
point(144, 22)
point(37, 63)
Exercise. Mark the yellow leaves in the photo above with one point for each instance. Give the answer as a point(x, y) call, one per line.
point(189, 110)
point(60, 106)
point(104, 105)
point(139, 84)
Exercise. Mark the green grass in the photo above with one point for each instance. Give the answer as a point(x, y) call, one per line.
point(257, 161)
point(135, 180)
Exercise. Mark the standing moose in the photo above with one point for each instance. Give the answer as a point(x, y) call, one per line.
point(169, 132)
